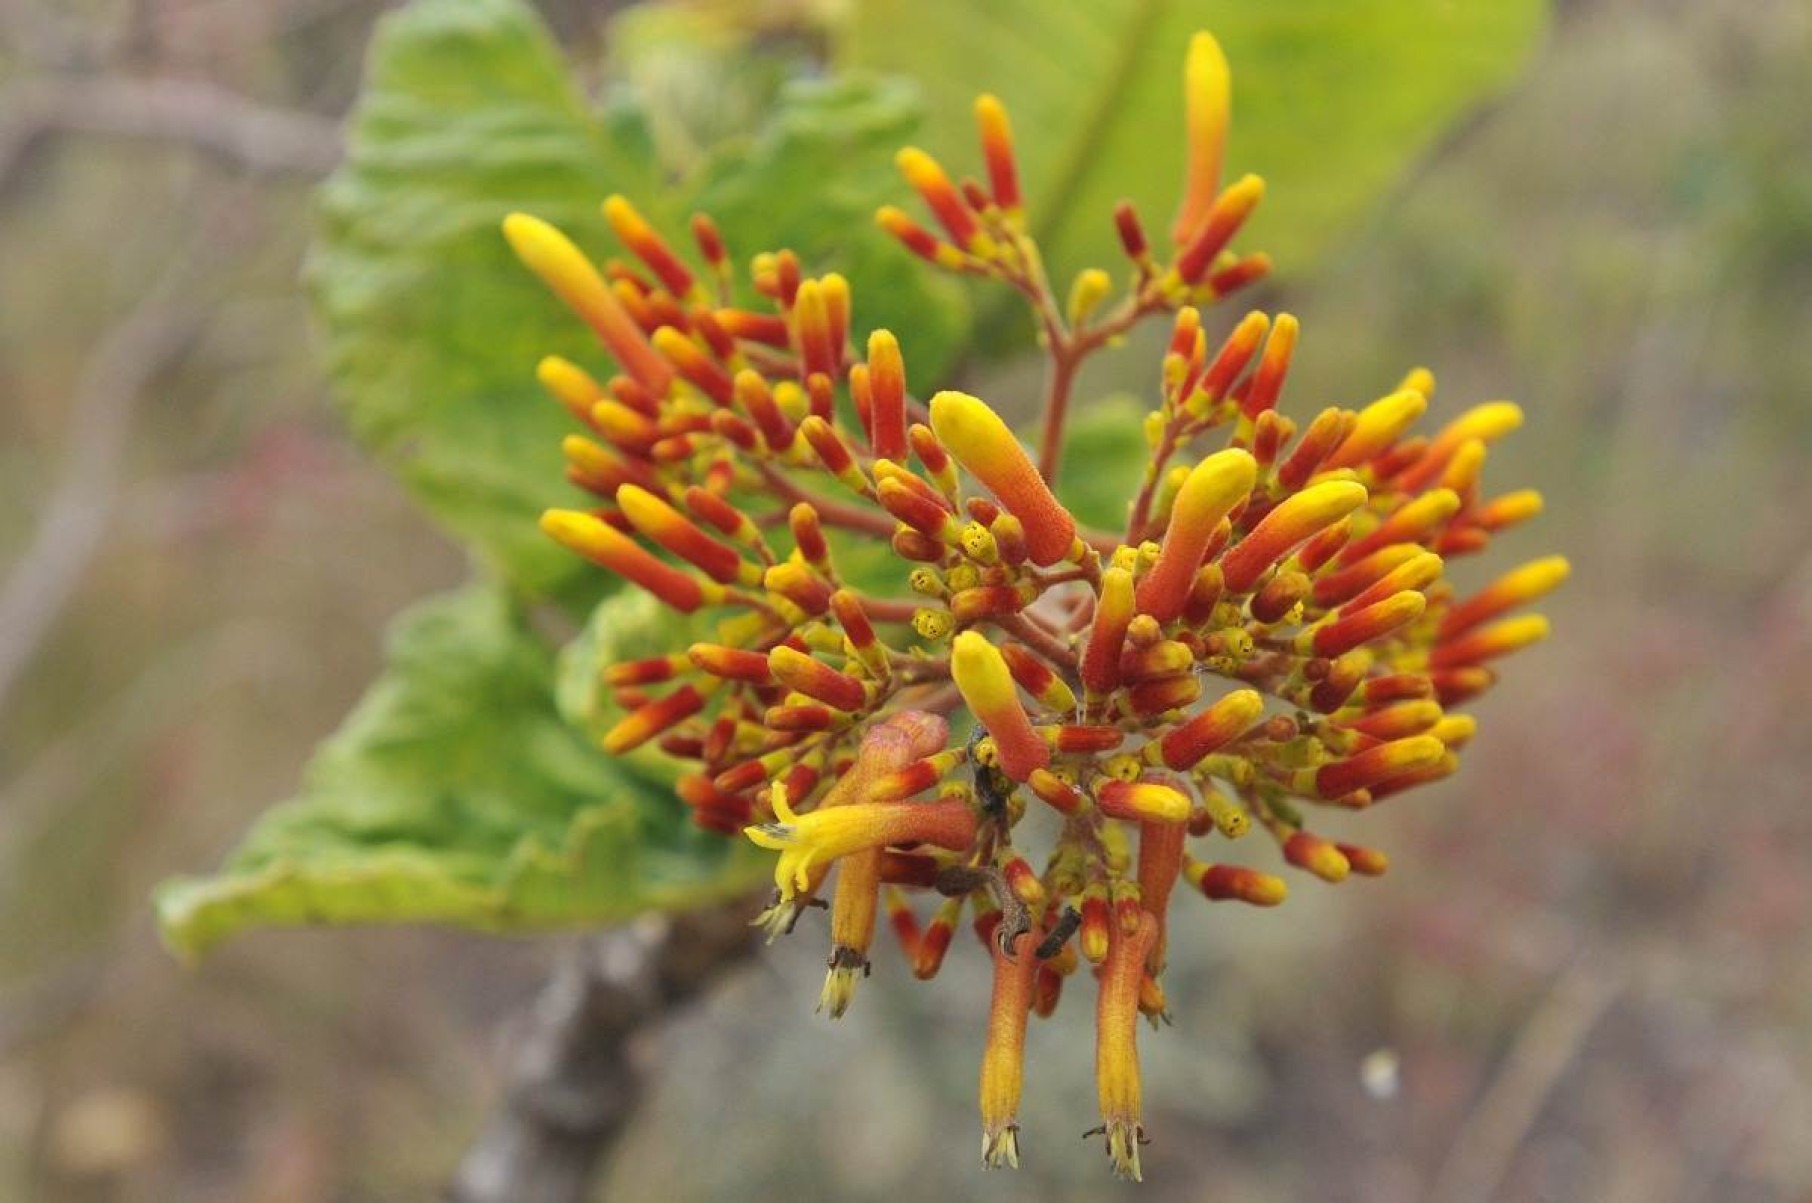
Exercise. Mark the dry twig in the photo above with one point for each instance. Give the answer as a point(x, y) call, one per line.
point(573, 1084)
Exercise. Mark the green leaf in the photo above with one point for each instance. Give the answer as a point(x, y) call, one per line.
point(812, 180)
point(1104, 460)
point(456, 793)
point(1332, 100)
point(432, 328)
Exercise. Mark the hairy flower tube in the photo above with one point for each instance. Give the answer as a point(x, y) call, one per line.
point(1055, 729)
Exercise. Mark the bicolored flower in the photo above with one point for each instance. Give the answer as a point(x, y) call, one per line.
point(1273, 632)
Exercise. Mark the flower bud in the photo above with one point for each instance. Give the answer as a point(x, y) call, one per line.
point(565, 269)
point(1290, 522)
point(1217, 484)
point(982, 677)
point(603, 544)
point(983, 444)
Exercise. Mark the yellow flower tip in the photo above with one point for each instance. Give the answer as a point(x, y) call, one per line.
point(983, 443)
point(1223, 220)
point(1455, 730)
point(1317, 856)
point(1373, 766)
point(570, 528)
point(1420, 379)
point(1236, 883)
point(570, 384)
point(566, 270)
point(1209, 493)
point(917, 166)
point(1207, 105)
point(1378, 426)
point(1226, 720)
point(997, 150)
point(1143, 801)
point(986, 683)
point(1294, 520)
point(1268, 889)
point(1489, 642)
point(1518, 587)
point(647, 721)
point(1488, 422)
point(1370, 622)
point(531, 238)
point(928, 179)
point(1246, 192)
point(1091, 287)
point(1510, 509)
point(1367, 862)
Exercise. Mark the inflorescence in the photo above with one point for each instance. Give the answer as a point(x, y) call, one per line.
point(1273, 627)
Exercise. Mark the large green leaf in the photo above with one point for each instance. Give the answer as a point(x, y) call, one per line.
point(1104, 459)
point(812, 180)
point(432, 328)
point(1332, 99)
point(455, 792)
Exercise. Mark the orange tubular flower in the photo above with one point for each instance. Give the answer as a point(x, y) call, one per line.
point(634, 232)
point(603, 544)
point(982, 676)
point(887, 384)
point(982, 443)
point(1208, 100)
point(1117, 1043)
point(1272, 631)
point(997, 149)
point(929, 180)
point(1236, 883)
point(1296, 519)
point(565, 269)
point(1213, 488)
point(1003, 1060)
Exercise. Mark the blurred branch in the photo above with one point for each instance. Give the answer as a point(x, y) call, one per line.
point(1548, 1043)
point(70, 527)
point(211, 119)
point(573, 1084)
point(74, 518)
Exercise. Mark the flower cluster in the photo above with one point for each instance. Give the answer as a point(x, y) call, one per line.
point(1272, 630)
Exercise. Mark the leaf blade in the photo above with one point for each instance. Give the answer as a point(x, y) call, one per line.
point(456, 793)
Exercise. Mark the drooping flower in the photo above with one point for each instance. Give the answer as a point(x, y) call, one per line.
point(1272, 630)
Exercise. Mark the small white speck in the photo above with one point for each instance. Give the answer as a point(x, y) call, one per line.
point(1378, 1073)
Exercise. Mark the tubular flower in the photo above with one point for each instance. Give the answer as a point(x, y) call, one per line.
point(1272, 632)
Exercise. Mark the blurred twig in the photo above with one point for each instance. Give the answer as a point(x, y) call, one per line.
point(74, 518)
point(70, 527)
point(215, 121)
point(1546, 1046)
point(573, 1084)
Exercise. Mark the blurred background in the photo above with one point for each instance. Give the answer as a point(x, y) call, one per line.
point(1588, 976)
